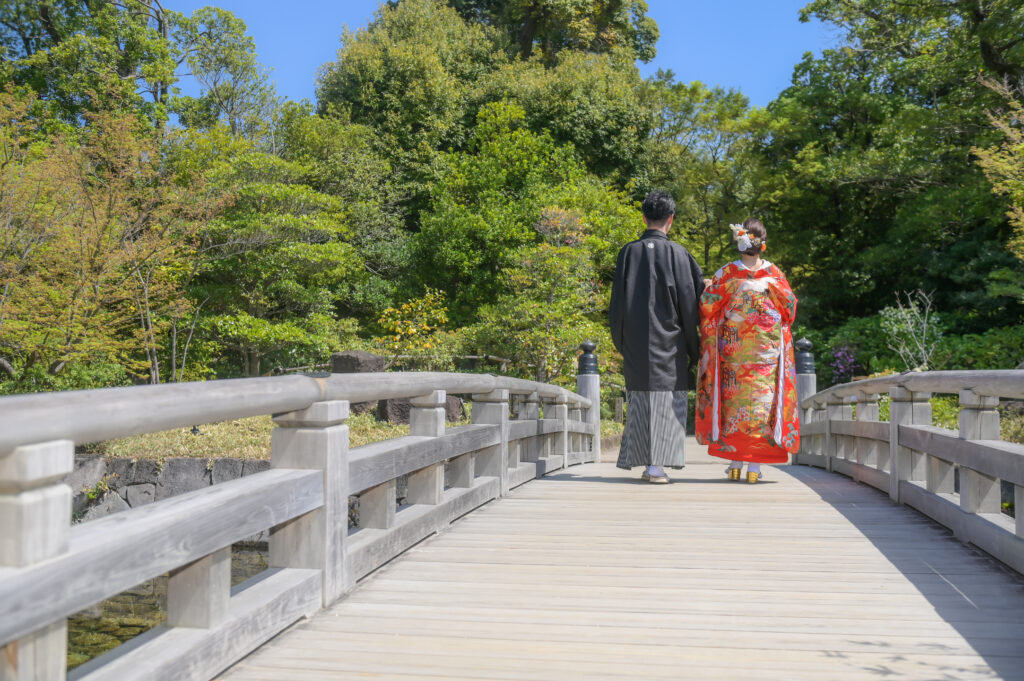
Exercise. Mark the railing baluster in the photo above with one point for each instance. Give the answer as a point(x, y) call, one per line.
point(978, 420)
point(576, 439)
point(838, 409)
point(198, 593)
point(35, 519)
point(1018, 509)
point(315, 438)
point(492, 408)
point(377, 506)
point(461, 471)
point(558, 444)
point(906, 407)
point(867, 448)
point(426, 416)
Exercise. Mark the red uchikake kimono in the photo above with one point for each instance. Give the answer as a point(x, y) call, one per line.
point(746, 384)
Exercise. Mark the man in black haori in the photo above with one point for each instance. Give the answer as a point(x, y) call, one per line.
point(655, 323)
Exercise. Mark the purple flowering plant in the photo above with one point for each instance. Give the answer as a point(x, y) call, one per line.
point(843, 364)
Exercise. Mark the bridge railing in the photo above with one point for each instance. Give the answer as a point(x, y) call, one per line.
point(953, 476)
point(50, 569)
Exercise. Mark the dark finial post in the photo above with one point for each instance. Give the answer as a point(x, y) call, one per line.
point(588, 384)
point(806, 382)
point(804, 356)
point(588, 360)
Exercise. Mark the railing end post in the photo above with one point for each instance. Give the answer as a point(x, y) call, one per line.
point(588, 384)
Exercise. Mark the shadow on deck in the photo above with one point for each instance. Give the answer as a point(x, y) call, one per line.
point(588, 574)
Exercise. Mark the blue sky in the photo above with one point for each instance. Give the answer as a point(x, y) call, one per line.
point(751, 45)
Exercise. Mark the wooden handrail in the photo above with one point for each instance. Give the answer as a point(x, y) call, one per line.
point(97, 415)
point(50, 570)
point(1008, 383)
point(952, 476)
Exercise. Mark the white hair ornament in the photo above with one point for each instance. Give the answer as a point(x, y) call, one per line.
point(744, 240)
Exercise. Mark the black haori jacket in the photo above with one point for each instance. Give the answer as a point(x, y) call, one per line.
point(654, 313)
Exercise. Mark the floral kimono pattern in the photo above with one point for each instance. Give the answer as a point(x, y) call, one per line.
point(746, 380)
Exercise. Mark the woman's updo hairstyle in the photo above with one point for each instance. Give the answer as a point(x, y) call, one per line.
point(756, 231)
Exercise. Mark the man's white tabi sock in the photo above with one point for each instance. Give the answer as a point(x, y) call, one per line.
point(655, 471)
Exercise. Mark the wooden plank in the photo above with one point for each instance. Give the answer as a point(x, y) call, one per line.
point(590, 573)
point(375, 464)
point(523, 473)
point(998, 459)
point(259, 609)
point(109, 555)
point(368, 549)
point(993, 533)
point(861, 473)
point(872, 430)
point(519, 430)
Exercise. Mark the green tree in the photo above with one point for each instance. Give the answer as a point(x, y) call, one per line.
point(869, 179)
point(553, 26)
point(97, 225)
point(89, 55)
point(1003, 164)
point(408, 76)
point(222, 58)
point(702, 149)
point(592, 101)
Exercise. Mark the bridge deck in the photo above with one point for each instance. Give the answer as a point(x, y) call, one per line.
point(589, 574)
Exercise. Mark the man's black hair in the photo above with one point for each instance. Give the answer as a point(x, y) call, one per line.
point(658, 206)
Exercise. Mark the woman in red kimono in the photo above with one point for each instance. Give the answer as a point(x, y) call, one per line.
point(746, 385)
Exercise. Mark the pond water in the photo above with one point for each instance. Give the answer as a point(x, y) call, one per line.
point(110, 623)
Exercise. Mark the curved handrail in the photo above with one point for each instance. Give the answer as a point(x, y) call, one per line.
point(50, 569)
point(955, 476)
point(97, 415)
point(1008, 383)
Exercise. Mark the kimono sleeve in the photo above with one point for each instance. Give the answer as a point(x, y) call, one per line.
point(616, 309)
point(782, 294)
point(690, 285)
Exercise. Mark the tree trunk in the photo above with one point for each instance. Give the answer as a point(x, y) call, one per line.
point(8, 368)
point(527, 34)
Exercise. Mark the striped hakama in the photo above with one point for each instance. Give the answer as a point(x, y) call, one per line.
point(655, 429)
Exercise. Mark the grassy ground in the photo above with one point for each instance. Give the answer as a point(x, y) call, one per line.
point(250, 439)
point(244, 438)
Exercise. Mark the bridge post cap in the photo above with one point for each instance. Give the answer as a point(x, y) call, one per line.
point(804, 345)
point(588, 360)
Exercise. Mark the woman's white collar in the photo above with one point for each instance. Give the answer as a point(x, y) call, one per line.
point(764, 264)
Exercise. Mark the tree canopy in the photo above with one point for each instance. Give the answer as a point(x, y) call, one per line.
point(466, 176)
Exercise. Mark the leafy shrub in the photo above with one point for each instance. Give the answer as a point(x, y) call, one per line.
point(1000, 348)
point(79, 375)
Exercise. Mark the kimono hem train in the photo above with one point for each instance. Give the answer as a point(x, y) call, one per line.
point(746, 386)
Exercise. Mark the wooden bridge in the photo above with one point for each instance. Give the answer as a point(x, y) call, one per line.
point(518, 553)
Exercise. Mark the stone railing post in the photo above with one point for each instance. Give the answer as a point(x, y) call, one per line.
point(492, 408)
point(558, 444)
point(906, 407)
point(530, 448)
point(806, 385)
point(315, 438)
point(838, 409)
point(588, 384)
point(868, 449)
point(979, 420)
point(35, 521)
point(576, 439)
point(426, 418)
